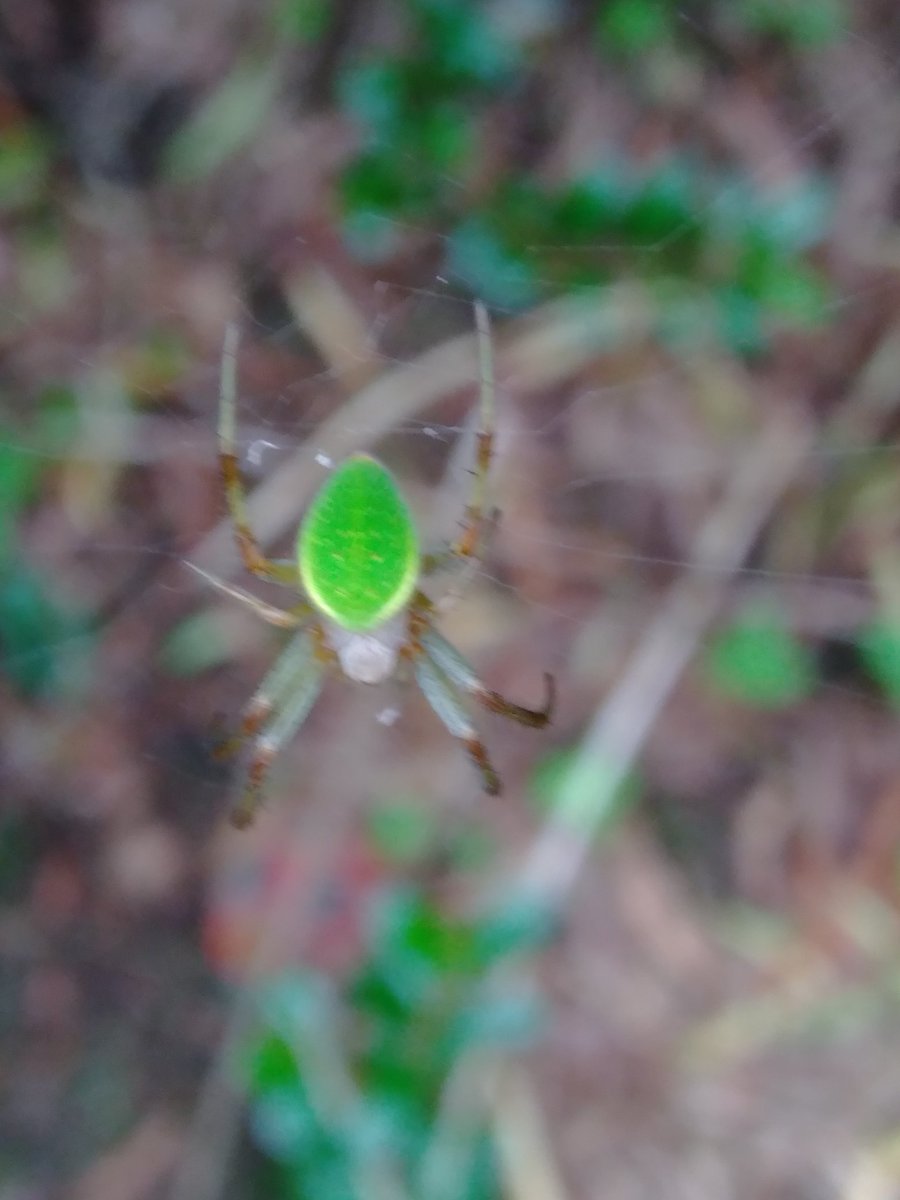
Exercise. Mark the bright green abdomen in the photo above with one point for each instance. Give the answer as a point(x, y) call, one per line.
point(357, 549)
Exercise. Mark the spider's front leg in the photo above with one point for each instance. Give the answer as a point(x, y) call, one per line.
point(469, 543)
point(251, 554)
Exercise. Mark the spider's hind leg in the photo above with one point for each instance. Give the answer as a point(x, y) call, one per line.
point(271, 692)
point(457, 669)
point(442, 696)
point(275, 713)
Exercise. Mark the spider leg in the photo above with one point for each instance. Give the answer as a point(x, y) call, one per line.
point(283, 618)
point(469, 542)
point(448, 705)
point(458, 671)
point(254, 560)
point(299, 686)
point(273, 691)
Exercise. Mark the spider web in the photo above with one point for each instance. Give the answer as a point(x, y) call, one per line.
point(604, 474)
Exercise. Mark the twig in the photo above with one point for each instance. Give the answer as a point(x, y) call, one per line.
point(523, 1145)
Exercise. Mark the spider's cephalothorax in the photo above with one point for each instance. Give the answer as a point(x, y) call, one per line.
point(358, 571)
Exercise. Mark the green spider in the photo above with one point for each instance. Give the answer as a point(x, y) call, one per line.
point(358, 571)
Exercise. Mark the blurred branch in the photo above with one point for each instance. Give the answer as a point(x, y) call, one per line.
point(526, 1158)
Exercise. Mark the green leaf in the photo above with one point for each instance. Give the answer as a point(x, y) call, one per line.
point(373, 93)
point(879, 648)
point(757, 660)
point(24, 167)
point(740, 321)
point(404, 962)
point(46, 275)
point(520, 924)
point(272, 1065)
point(594, 204)
point(795, 218)
point(40, 643)
point(463, 43)
point(804, 22)
point(478, 257)
point(304, 20)
point(663, 209)
point(403, 832)
point(225, 123)
point(511, 1020)
point(631, 27)
point(283, 1123)
point(299, 1001)
point(374, 992)
point(377, 182)
point(442, 135)
point(195, 645)
point(409, 926)
point(20, 473)
point(795, 292)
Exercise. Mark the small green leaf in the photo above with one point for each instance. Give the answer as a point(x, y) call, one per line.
point(411, 926)
point(795, 218)
point(195, 645)
point(46, 275)
point(593, 204)
point(20, 473)
point(375, 182)
point(632, 27)
point(40, 643)
point(804, 22)
point(663, 209)
point(879, 648)
point(373, 93)
point(224, 124)
point(376, 994)
point(757, 660)
point(304, 20)
point(299, 1001)
point(507, 1020)
point(740, 322)
point(795, 292)
point(24, 167)
point(272, 1065)
point(403, 832)
point(442, 136)
point(463, 45)
point(478, 257)
point(520, 924)
point(282, 1122)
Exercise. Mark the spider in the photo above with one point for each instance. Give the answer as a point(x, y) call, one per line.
point(359, 573)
